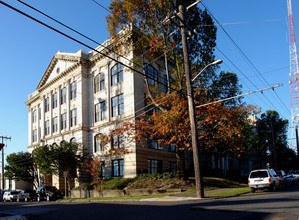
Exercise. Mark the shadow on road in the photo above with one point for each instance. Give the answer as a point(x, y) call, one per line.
point(254, 206)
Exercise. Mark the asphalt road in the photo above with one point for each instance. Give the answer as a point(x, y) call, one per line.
point(262, 205)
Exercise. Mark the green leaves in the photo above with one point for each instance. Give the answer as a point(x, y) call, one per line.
point(54, 159)
point(20, 167)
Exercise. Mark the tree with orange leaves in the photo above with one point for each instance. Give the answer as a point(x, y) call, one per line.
point(219, 125)
point(156, 37)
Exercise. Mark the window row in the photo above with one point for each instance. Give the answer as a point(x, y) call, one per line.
point(155, 167)
point(154, 144)
point(63, 124)
point(117, 168)
point(116, 77)
point(63, 93)
point(117, 142)
point(117, 108)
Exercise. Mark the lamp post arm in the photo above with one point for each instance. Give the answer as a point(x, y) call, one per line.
point(213, 63)
point(201, 71)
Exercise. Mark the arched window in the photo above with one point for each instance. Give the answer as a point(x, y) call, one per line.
point(96, 83)
point(98, 145)
point(116, 74)
point(99, 82)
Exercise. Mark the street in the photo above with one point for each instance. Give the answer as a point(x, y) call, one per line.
point(282, 204)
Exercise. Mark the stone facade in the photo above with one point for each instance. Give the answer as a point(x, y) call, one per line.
point(81, 96)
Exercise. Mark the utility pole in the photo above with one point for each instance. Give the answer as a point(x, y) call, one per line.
point(192, 113)
point(7, 138)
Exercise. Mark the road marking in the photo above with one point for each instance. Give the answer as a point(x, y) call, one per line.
point(166, 200)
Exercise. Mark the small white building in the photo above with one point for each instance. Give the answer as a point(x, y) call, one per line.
point(82, 95)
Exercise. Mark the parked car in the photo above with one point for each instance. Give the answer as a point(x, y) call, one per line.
point(282, 176)
point(27, 195)
point(263, 179)
point(291, 179)
point(10, 196)
point(48, 193)
point(295, 172)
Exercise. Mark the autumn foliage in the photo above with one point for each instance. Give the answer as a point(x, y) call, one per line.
point(94, 169)
point(217, 124)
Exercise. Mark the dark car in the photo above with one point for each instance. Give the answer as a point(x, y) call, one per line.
point(27, 195)
point(290, 179)
point(48, 193)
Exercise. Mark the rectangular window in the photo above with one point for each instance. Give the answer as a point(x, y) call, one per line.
point(149, 107)
point(100, 110)
point(116, 74)
point(155, 145)
point(55, 124)
point(151, 74)
point(154, 166)
point(171, 147)
point(99, 83)
point(117, 141)
point(34, 135)
point(34, 116)
point(47, 127)
point(98, 143)
point(118, 168)
point(47, 104)
point(54, 100)
point(39, 113)
point(73, 117)
point(73, 94)
point(117, 105)
point(63, 121)
point(165, 86)
point(63, 95)
point(172, 168)
point(102, 170)
point(102, 82)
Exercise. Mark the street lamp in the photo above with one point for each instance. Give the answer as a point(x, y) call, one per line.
point(210, 64)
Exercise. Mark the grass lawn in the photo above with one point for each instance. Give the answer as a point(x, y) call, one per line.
point(210, 183)
point(232, 192)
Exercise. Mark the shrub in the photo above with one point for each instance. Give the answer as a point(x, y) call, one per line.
point(86, 186)
point(167, 183)
point(117, 183)
point(146, 176)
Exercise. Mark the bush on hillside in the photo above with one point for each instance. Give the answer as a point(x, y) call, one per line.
point(117, 183)
point(169, 183)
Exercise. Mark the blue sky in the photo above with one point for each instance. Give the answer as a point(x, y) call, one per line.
point(259, 28)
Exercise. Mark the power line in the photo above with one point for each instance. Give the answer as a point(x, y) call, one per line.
point(245, 77)
point(101, 45)
point(85, 45)
point(246, 57)
point(249, 93)
point(102, 6)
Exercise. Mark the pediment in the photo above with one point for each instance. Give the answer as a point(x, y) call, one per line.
point(59, 64)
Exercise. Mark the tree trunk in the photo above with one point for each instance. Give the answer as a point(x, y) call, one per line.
point(180, 158)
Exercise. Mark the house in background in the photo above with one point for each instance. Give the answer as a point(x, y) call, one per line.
point(13, 184)
point(83, 95)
